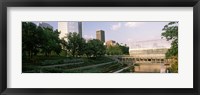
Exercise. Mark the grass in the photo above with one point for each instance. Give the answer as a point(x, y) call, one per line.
point(48, 61)
point(87, 62)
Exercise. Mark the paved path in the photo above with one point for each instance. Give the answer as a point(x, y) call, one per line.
point(121, 70)
point(66, 64)
point(90, 66)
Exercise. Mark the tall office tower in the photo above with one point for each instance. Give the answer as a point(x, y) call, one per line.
point(80, 28)
point(63, 29)
point(75, 27)
point(100, 35)
point(67, 27)
point(45, 25)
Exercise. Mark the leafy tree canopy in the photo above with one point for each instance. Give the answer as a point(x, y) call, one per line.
point(171, 34)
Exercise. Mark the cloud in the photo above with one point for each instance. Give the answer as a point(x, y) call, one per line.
point(133, 24)
point(116, 26)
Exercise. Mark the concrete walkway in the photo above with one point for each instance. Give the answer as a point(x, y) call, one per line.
point(121, 70)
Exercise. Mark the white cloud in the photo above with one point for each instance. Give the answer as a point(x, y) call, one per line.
point(116, 26)
point(133, 24)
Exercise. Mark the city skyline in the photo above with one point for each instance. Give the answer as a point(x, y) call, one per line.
point(120, 31)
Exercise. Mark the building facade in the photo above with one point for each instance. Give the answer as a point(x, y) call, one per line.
point(110, 43)
point(63, 29)
point(147, 56)
point(67, 27)
point(150, 51)
point(100, 35)
point(80, 28)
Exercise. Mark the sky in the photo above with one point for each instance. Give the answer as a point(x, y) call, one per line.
point(121, 32)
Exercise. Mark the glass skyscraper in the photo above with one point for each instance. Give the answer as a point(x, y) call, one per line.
point(70, 26)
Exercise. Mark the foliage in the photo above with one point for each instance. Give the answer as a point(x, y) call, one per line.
point(49, 61)
point(75, 44)
point(125, 49)
point(52, 70)
point(113, 50)
point(117, 50)
point(171, 34)
point(29, 39)
point(174, 65)
point(39, 40)
point(36, 39)
point(50, 41)
point(94, 48)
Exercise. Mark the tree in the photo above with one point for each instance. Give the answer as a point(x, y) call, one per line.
point(174, 66)
point(125, 49)
point(171, 34)
point(114, 50)
point(81, 48)
point(88, 49)
point(95, 48)
point(75, 44)
point(117, 50)
point(64, 46)
point(37, 39)
point(29, 39)
point(57, 42)
point(48, 41)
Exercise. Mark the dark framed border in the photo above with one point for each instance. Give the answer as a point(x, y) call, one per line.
point(100, 3)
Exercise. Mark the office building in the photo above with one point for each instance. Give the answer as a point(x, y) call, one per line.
point(100, 35)
point(80, 28)
point(67, 27)
point(63, 29)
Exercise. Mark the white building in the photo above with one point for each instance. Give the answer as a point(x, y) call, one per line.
point(150, 48)
point(67, 27)
point(149, 44)
point(63, 29)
